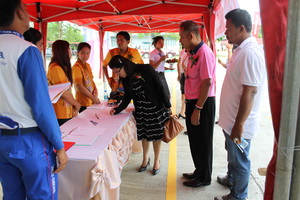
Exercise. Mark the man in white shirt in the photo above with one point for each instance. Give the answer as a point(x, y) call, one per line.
point(240, 102)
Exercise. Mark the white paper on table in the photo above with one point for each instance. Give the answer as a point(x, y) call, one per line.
point(81, 140)
point(83, 136)
point(55, 91)
point(100, 106)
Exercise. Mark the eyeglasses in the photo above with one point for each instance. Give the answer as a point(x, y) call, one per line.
point(118, 72)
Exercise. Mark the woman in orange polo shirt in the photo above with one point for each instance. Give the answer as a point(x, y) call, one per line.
point(60, 72)
point(86, 90)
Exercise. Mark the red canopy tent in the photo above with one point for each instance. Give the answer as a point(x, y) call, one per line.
point(140, 23)
point(132, 16)
point(135, 16)
point(166, 15)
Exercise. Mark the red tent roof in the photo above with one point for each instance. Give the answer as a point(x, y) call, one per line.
point(130, 15)
point(54, 10)
point(140, 23)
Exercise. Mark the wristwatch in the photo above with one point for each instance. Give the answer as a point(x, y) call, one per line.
point(198, 107)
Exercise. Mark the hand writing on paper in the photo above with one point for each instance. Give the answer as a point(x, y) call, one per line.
point(112, 111)
point(62, 160)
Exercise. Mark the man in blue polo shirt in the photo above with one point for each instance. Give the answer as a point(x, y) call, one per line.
point(28, 127)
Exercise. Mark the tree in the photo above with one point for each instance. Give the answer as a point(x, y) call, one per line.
point(221, 38)
point(173, 36)
point(64, 31)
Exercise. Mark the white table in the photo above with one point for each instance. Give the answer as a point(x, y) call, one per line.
point(96, 169)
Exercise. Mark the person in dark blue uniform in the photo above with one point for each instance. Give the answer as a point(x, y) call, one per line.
point(28, 127)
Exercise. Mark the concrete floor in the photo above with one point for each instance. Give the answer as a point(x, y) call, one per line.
point(144, 186)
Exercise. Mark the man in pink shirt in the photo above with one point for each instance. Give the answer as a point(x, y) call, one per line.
point(200, 103)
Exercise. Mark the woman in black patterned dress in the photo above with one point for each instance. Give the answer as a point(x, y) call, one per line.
point(152, 105)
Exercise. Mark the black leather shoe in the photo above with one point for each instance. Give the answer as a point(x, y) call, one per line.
point(224, 180)
point(227, 197)
point(195, 183)
point(143, 168)
point(189, 176)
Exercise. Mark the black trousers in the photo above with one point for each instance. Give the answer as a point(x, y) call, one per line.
point(201, 138)
point(164, 83)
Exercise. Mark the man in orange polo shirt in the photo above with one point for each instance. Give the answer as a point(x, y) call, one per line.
point(123, 39)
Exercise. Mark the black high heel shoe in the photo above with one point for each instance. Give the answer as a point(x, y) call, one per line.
point(179, 115)
point(155, 171)
point(143, 168)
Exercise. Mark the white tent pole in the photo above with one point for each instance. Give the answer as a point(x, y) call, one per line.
point(146, 21)
point(295, 192)
point(294, 16)
point(290, 104)
point(115, 9)
point(178, 3)
point(139, 8)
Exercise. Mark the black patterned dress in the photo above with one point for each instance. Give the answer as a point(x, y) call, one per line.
point(150, 119)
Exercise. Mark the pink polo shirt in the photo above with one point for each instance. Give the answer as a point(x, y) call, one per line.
point(203, 68)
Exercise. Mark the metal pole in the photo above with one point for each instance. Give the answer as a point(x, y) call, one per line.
point(290, 104)
point(295, 192)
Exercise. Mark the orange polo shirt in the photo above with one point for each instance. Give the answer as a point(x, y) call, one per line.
point(82, 74)
point(56, 75)
point(131, 54)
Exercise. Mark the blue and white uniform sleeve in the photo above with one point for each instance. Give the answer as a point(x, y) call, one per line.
point(32, 75)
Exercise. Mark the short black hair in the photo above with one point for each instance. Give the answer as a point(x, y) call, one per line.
point(156, 39)
point(32, 35)
point(190, 27)
point(81, 45)
point(240, 17)
point(7, 11)
point(125, 34)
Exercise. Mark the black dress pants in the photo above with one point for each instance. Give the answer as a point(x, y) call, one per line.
point(201, 138)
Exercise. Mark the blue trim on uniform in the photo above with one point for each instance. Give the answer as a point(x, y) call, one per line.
point(32, 75)
point(11, 32)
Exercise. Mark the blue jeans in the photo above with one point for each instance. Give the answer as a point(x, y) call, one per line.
point(239, 166)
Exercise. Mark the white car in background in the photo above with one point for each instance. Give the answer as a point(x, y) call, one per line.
point(146, 53)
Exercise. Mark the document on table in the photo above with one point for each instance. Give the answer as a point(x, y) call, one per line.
point(55, 91)
point(80, 140)
point(100, 106)
point(83, 136)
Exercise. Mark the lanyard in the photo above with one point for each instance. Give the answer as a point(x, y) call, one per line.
point(11, 32)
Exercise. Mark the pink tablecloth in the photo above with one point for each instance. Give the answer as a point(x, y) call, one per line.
point(96, 168)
